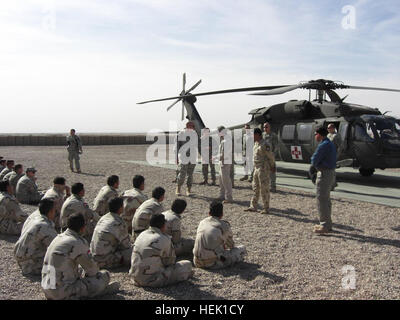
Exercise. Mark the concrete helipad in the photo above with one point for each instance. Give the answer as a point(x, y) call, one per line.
point(382, 188)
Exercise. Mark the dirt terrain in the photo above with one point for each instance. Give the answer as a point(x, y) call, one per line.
point(285, 259)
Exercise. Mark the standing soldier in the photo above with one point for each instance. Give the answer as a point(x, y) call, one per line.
point(58, 193)
point(9, 168)
point(264, 163)
point(61, 275)
point(27, 191)
point(105, 194)
point(324, 160)
point(12, 217)
point(111, 245)
point(14, 176)
point(154, 260)
point(76, 204)
point(133, 199)
point(214, 247)
point(187, 160)
point(37, 235)
point(173, 218)
point(272, 140)
point(74, 150)
point(335, 137)
point(207, 157)
point(246, 164)
point(225, 164)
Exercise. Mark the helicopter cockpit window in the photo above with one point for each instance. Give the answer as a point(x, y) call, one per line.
point(362, 134)
point(288, 132)
point(386, 129)
point(304, 132)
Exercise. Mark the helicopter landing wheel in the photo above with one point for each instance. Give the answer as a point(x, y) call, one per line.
point(366, 172)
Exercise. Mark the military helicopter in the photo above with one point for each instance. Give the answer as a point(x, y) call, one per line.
point(370, 139)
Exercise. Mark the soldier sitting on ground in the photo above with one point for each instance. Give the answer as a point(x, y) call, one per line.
point(153, 258)
point(27, 191)
point(214, 247)
point(14, 176)
point(148, 208)
point(133, 198)
point(110, 245)
point(12, 217)
point(61, 275)
point(173, 228)
point(105, 194)
point(76, 204)
point(58, 193)
point(37, 235)
point(9, 168)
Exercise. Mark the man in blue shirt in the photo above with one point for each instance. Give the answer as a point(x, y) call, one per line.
point(324, 160)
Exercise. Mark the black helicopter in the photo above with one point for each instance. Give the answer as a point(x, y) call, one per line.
point(370, 139)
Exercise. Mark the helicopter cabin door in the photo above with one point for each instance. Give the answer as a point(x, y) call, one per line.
point(297, 142)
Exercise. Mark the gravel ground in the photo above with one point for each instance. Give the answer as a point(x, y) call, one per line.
point(285, 259)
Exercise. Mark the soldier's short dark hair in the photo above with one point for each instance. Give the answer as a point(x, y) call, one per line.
point(111, 180)
point(76, 222)
point(72, 130)
point(59, 180)
point(4, 185)
point(257, 131)
point(115, 204)
point(137, 181)
point(45, 205)
point(322, 131)
point(17, 167)
point(178, 206)
point(2, 161)
point(216, 208)
point(10, 162)
point(76, 188)
point(158, 193)
point(157, 221)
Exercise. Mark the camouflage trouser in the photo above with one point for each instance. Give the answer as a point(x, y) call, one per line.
point(204, 169)
point(184, 247)
point(115, 260)
point(325, 181)
point(31, 266)
point(89, 229)
point(225, 182)
point(229, 258)
point(186, 169)
point(11, 227)
point(87, 287)
point(74, 155)
point(260, 186)
point(180, 271)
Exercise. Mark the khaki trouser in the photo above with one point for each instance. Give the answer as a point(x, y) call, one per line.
point(261, 182)
point(74, 155)
point(225, 182)
point(229, 258)
point(186, 169)
point(325, 181)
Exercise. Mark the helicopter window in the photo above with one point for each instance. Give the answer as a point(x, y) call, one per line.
point(304, 132)
point(343, 130)
point(288, 132)
point(362, 134)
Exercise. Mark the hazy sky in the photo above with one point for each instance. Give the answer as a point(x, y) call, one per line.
point(85, 63)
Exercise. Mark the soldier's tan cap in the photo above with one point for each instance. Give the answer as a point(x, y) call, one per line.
point(31, 169)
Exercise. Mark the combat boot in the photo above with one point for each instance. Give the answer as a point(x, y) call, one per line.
point(246, 177)
point(265, 211)
point(178, 191)
point(188, 192)
point(213, 183)
point(205, 182)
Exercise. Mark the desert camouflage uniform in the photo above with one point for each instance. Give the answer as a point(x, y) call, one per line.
point(187, 161)
point(61, 277)
point(214, 247)
point(272, 141)
point(58, 197)
point(100, 204)
point(182, 246)
point(13, 179)
point(74, 147)
point(133, 198)
point(5, 171)
point(153, 261)
point(31, 247)
point(141, 219)
point(27, 191)
point(12, 217)
point(110, 245)
point(75, 204)
point(263, 160)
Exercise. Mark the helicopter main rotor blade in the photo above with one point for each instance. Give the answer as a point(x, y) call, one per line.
point(184, 82)
point(277, 91)
point(183, 111)
point(169, 108)
point(194, 87)
point(371, 88)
